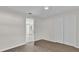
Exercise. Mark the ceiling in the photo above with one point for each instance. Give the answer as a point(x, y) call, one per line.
point(39, 11)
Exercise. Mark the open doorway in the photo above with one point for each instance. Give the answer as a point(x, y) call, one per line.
point(29, 30)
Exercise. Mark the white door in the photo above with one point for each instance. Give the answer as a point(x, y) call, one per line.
point(69, 30)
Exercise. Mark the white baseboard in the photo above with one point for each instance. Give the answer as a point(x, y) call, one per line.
point(76, 47)
point(37, 40)
point(13, 47)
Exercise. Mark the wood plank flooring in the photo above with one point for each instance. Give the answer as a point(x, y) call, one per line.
point(44, 46)
point(55, 47)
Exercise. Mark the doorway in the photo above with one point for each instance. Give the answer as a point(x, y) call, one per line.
point(29, 30)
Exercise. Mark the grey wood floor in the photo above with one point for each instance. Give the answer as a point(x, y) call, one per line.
point(29, 47)
point(44, 46)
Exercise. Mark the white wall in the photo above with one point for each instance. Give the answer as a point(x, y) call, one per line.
point(77, 29)
point(70, 29)
point(62, 28)
point(12, 29)
point(40, 29)
point(48, 29)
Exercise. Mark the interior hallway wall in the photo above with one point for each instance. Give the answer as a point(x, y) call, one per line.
point(12, 29)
